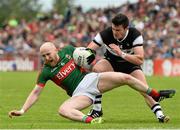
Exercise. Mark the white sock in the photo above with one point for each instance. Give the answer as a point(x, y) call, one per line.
point(97, 103)
point(157, 110)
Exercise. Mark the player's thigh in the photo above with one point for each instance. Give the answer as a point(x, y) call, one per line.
point(138, 74)
point(102, 65)
point(76, 102)
point(110, 80)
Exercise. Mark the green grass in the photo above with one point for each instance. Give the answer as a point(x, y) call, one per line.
point(123, 107)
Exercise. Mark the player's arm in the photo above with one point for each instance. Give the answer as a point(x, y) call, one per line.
point(136, 58)
point(93, 46)
point(31, 99)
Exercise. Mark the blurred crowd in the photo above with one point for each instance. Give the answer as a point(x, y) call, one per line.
point(158, 22)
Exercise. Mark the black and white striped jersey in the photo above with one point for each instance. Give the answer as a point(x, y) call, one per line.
point(132, 39)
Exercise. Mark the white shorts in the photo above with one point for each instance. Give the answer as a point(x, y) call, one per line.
point(88, 86)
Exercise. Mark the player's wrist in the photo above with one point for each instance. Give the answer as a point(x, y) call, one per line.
point(22, 111)
point(123, 54)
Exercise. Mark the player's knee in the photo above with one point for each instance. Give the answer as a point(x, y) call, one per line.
point(96, 69)
point(100, 69)
point(63, 111)
point(128, 79)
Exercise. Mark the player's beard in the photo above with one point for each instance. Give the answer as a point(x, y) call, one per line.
point(54, 61)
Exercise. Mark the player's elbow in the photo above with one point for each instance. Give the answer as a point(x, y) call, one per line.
point(140, 61)
point(93, 46)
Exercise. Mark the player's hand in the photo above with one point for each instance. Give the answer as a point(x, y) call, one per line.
point(115, 48)
point(15, 113)
point(91, 58)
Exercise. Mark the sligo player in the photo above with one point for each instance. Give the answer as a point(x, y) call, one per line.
point(124, 53)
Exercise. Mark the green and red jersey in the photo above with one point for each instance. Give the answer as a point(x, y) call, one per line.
point(65, 74)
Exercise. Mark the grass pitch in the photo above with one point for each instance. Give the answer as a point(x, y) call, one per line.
point(123, 107)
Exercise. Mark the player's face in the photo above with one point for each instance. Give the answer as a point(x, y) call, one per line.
point(50, 57)
point(119, 31)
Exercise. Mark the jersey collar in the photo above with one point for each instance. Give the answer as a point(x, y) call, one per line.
point(124, 36)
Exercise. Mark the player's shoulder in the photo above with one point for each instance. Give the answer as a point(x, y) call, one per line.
point(45, 69)
point(67, 48)
point(106, 33)
point(134, 31)
point(43, 73)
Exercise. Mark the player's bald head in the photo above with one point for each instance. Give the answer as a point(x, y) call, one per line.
point(47, 46)
point(49, 53)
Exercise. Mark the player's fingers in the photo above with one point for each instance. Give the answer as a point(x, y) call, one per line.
point(14, 113)
point(112, 45)
point(10, 114)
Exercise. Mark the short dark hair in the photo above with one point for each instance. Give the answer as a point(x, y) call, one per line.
point(121, 19)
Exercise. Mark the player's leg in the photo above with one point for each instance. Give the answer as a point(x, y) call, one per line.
point(72, 107)
point(111, 80)
point(139, 75)
point(155, 106)
point(101, 66)
point(96, 110)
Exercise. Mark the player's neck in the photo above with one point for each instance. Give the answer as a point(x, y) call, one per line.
point(126, 33)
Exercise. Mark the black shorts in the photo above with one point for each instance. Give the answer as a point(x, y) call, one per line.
point(124, 67)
